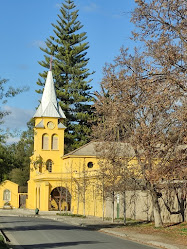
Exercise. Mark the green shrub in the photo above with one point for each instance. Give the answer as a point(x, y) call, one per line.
point(71, 215)
point(2, 243)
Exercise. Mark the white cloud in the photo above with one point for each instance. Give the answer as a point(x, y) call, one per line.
point(23, 67)
point(18, 117)
point(16, 122)
point(38, 43)
point(92, 7)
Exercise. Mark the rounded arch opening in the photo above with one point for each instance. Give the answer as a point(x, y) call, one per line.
point(60, 199)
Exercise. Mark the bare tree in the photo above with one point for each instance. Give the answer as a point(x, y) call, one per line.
point(176, 195)
point(78, 187)
point(82, 181)
point(143, 98)
point(161, 25)
point(84, 185)
point(142, 111)
point(113, 174)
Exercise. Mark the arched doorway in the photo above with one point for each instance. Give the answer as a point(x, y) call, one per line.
point(60, 199)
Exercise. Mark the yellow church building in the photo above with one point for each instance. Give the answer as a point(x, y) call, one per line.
point(58, 181)
point(70, 182)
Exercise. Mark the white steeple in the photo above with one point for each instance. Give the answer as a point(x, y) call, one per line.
point(49, 106)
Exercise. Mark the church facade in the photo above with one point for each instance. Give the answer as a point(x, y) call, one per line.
point(58, 181)
point(70, 182)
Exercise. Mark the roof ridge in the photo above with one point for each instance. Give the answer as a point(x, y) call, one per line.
point(70, 153)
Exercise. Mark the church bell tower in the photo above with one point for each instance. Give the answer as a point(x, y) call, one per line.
point(49, 130)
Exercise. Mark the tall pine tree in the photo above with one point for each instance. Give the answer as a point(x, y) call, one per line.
point(68, 47)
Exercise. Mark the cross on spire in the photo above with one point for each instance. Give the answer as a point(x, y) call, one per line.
point(51, 59)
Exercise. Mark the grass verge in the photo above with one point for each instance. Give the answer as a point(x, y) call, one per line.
point(175, 233)
point(71, 215)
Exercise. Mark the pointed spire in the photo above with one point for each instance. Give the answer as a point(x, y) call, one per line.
point(49, 106)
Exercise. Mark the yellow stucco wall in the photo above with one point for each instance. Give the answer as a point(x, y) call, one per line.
point(54, 155)
point(83, 184)
point(38, 185)
point(70, 172)
point(14, 196)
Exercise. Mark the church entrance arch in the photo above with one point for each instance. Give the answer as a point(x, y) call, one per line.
point(60, 199)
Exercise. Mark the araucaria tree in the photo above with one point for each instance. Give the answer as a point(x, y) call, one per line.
point(143, 102)
point(69, 47)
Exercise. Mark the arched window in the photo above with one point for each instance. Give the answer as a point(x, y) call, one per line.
point(54, 142)
point(45, 142)
point(49, 164)
point(6, 195)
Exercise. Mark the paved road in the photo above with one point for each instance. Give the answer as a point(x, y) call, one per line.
point(37, 233)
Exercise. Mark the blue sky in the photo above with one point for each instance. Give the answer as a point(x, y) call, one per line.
point(25, 25)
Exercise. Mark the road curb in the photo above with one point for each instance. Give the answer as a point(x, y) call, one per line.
point(163, 245)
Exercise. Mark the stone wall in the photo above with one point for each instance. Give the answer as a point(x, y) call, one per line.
point(139, 206)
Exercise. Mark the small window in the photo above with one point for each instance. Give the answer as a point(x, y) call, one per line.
point(90, 165)
point(45, 142)
point(54, 142)
point(6, 195)
point(49, 164)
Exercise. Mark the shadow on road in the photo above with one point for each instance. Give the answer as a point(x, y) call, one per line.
point(34, 224)
point(114, 225)
point(56, 245)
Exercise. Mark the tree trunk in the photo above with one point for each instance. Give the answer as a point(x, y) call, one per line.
point(103, 199)
point(60, 202)
point(113, 206)
point(78, 193)
point(84, 200)
point(156, 209)
point(84, 189)
point(94, 201)
point(103, 214)
point(182, 209)
point(124, 209)
point(66, 198)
